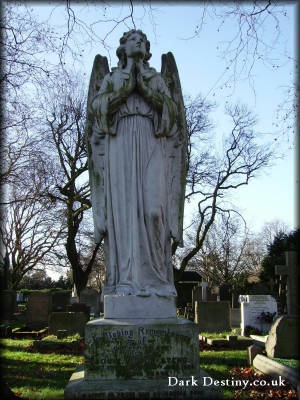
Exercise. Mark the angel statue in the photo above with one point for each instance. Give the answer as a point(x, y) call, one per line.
point(136, 136)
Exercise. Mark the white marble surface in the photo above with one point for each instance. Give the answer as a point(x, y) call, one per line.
point(137, 307)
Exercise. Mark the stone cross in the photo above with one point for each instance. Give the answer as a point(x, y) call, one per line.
point(291, 269)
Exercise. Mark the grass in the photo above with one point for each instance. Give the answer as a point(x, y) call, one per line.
point(222, 335)
point(67, 339)
point(288, 362)
point(217, 364)
point(34, 375)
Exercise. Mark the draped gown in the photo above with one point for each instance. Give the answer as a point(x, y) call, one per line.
point(137, 240)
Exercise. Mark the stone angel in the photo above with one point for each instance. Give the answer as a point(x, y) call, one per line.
point(137, 141)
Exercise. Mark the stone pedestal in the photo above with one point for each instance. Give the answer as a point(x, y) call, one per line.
point(141, 359)
point(116, 307)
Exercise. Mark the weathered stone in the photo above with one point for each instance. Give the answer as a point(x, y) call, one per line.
point(212, 316)
point(139, 349)
point(139, 307)
point(90, 297)
point(39, 307)
point(80, 307)
point(68, 321)
point(5, 331)
point(283, 339)
point(273, 368)
point(60, 300)
point(134, 389)
point(8, 304)
point(134, 358)
point(252, 352)
point(235, 316)
point(291, 269)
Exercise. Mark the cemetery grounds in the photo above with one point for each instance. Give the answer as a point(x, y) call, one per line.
point(44, 373)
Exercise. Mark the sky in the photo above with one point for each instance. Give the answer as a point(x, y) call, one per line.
point(202, 70)
point(202, 65)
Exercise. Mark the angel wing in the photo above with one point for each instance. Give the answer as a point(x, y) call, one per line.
point(96, 150)
point(176, 150)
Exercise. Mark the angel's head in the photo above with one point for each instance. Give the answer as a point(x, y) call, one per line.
point(133, 43)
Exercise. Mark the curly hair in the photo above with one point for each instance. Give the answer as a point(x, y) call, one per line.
point(121, 54)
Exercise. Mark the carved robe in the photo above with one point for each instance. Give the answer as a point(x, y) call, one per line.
point(136, 167)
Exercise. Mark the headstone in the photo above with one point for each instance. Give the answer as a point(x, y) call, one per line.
point(212, 316)
point(283, 338)
point(72, 322)
point(8, 305)
point(60, 300)
point(80, 307)
point(291, 269)
point(252, 307)
point(90, 297)
point(235, 314)
point(252, 351)
point(74, 296)
point(225, 293)
point(199, 293)
point(39, 307)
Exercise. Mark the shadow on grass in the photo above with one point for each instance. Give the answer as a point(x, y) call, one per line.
point(20, 373)
point(56, 349)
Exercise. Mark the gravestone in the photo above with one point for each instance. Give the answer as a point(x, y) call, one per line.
point(199, 293)
point(212, 316)
point(39, 307)
point(74, 296)
point(252, 307)
point(71, 322)
point(80, 307)
point(235, 317)
point(60, 300)
point(291, 269)
point(225, 293)
point(90, 297)
point(283, 339)
point(8, 305)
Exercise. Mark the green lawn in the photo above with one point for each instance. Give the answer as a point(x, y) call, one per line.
point(34, 375)
point(288, 362)
point(217, 364)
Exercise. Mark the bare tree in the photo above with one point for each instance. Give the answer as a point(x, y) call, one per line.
point(214, 177)
point(227, 257)
point(97, 275)
point(256, 38)
point(271, 230)
point(31, 230)
point(63, 112)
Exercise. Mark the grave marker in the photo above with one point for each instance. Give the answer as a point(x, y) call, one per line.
point(252, 306)
point(291, 269)
point(39, 307)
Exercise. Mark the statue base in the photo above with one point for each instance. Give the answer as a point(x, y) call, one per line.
point(133, 307)
point(141, 359)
